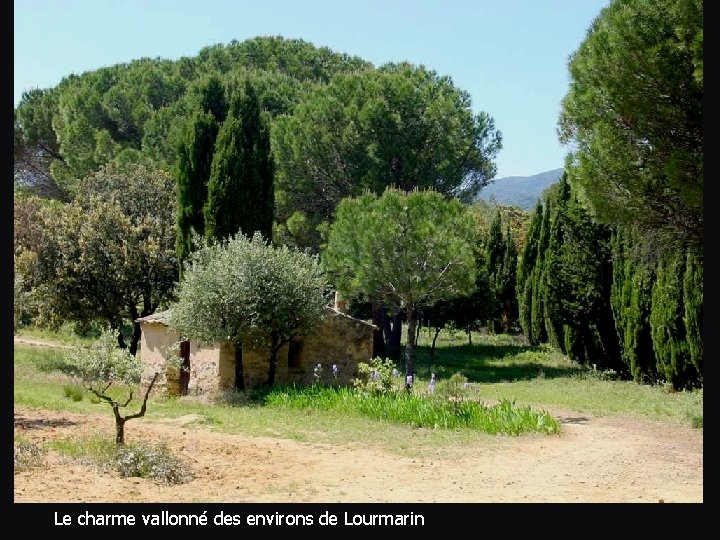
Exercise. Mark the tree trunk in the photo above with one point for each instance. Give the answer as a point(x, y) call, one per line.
point(119, 431)
point(469, 333)
point(393, 345)
point(432, 347)
point(135, 338)
point(274, 347)
point(239, 375)
point(378, 348)
point(120, 338)
point(410, 348)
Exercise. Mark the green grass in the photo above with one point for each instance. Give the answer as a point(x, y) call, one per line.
point(418, 410)
point(68, 334)
point(499, 368)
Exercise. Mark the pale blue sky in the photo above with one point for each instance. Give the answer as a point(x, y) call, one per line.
point(510, 55)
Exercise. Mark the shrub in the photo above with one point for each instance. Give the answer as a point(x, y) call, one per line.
point(74, 392)
point(377, 377)
point(155, 462)
point(27, 455)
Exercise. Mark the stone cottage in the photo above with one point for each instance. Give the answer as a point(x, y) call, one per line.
point(340, 339)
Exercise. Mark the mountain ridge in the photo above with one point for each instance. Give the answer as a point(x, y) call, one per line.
point(520, 191)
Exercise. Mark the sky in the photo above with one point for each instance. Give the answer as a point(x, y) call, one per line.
point(511, 56)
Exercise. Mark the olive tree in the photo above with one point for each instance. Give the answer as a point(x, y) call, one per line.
point(108, 372)
point(244, 290)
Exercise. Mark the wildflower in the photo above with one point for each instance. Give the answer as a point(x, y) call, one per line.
point(335, 370)
point(317, 371)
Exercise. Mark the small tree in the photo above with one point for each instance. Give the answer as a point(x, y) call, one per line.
point(108, 371)
point(247, 291)
point(413, 249)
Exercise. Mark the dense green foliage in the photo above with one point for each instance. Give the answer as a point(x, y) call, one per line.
point(400, 125)
point(501, 253)
point(195, 152)
point(136, 111)
point(411, 249)
point(634, 117)
point(630, 297)
point(108, 255)
point(602, 303)
point(240, 191)
point(246, 291)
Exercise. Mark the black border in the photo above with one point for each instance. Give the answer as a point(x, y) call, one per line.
point(475, 519)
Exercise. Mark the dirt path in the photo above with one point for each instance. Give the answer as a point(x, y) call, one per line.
point(609, 459)
point(612, 459)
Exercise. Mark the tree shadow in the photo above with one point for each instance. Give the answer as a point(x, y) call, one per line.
point(482, 363)
point(40, 423)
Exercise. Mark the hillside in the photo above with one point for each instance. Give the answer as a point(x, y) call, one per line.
point(520, 191)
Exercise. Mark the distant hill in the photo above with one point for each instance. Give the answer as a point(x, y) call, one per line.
point(520, 191)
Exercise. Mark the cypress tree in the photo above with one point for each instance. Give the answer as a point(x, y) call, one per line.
point(630, 301)
point(525, 272)
point(240, 190)
point(191, 179)
point(576, 280)
point(501, 256)
point(539, 285)
point(693, 317)
point(666, 321)
point(195, 155)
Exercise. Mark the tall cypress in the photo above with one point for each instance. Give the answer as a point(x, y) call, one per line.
point(195, 155)
point(667, 320)
point(191, 179)
point(240, 190)
point(578, 278)
point(630, 295)
point(525, 271)
point(693, 316)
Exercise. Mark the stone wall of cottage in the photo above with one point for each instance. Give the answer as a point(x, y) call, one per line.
point(156, 344)
point(340, 340)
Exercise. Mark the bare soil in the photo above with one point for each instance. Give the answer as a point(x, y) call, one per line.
point(606, 459)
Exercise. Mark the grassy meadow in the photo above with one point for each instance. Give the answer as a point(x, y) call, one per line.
point(510, 389)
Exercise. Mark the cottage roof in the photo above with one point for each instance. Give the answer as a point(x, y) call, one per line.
point(161, 317)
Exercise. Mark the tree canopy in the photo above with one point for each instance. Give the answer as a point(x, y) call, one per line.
point(400, 125)
point(108, 254)
point(135, 111)
point(411, 249)
point(633, 118)
point(244, 290)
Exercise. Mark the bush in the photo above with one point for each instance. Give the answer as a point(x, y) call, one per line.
point(74, 392)
point(378, 377)
point(155, 462)
point(27, 455)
